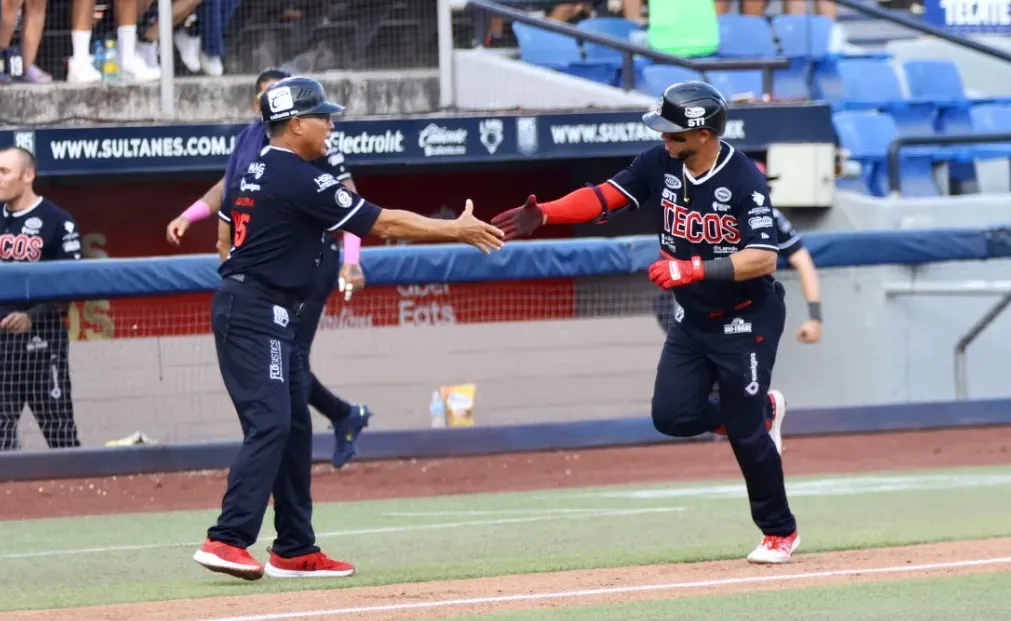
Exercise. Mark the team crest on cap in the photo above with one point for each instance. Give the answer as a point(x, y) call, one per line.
point(694, 112)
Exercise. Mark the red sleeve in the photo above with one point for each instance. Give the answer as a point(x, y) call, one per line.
point(583, 205)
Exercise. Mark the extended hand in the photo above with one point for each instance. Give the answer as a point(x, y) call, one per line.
point(481, 235)
point(810, 332)
point(669, 274)
point(351, 279)
point(16, 323)
point(176, 229)
point(521, 221)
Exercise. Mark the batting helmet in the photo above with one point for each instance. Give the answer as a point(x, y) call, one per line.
point(686, 106)
point(293, 97)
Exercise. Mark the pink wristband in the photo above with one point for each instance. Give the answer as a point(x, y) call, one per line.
point(352, 245)
point(197, 211)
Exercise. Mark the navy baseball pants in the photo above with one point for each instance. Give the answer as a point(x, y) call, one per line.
point(264, 374)
point(326, 403)
point(35, 370)
point(739, 352)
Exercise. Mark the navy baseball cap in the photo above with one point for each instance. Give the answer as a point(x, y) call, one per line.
point(293, 97)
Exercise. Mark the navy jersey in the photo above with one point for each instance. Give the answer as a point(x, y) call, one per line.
point(253, 138)
point(724, 211)
point(278, 218)
point(42, 232)
point(789, 239)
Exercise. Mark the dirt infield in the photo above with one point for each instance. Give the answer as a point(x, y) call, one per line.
point(440, 599)
point(516, 472)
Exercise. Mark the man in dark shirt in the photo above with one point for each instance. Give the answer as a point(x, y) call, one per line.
point(719, 245)
point(34, 345)
point(347, 419)
point(270, 237)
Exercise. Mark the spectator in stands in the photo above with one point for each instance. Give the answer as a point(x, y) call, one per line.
point(827, 8)
point(687, 28)
point(202, 45)
point(80, 67)
point(32, 23)
point(147, 36)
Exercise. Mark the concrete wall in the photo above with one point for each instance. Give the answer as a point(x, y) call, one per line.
point(521, 85)
point(206, 100)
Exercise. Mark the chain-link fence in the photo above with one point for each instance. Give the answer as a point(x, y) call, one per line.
point(89, 41)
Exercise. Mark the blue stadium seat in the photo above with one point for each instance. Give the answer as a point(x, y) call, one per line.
point(805, 40)
point(991, 119)
point(562, 53)
point(619, 29)
point(737, 83)
point(870, 83)
point(745, 36)
point(867, 135)
point(656, 78)
point(804, 36)
point(940, 81)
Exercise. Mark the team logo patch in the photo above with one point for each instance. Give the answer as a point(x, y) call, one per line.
point(256, 169)
point(672, 182)
point(694, 112)
point(344, 198)
point(752, 387)
point(492, 133)
point(723, 195)
point(276, 363)
point(280, 99)
point(32, 226)
point(281, 316)
point(737, 326)
point(758, 198)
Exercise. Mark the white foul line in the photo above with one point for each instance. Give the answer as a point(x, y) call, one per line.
point(608, 591)
point(368, 531)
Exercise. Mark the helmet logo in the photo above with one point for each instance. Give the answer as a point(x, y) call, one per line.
point(694, 112)
point(659, 106)
point(280, 99)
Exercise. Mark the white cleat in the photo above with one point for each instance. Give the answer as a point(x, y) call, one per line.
point(775, 550)
point(778, 415)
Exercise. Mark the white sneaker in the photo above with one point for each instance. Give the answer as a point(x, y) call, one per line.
point(211, 65)
point(775, 550)
point(82, 70)
point(189, 50)
point(136, 70)
point(778, 415)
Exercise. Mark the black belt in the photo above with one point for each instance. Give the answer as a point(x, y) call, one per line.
point(278, 296)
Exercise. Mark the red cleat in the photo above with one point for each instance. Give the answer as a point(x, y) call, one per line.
point(226, 559)
point(315, 565)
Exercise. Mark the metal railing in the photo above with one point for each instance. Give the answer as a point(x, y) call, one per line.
point(629, 49)
point(977, 328)
point(894, 173)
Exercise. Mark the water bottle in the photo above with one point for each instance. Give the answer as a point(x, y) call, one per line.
point(437, 408)
point(110, 62)
point(97, 55)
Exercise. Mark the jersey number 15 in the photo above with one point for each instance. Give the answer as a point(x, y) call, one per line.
point(239, 234)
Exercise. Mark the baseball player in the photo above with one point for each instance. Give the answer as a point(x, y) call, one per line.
point(711, 207)
point(792, 247)
point(271, 235)
point(34, 345)
point(347, 419)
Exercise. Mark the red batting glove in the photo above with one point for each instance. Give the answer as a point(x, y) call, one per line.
point(520, 221)
point(670, 274)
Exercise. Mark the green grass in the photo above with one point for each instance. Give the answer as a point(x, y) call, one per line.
point(496, 534)
point(981, 597)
